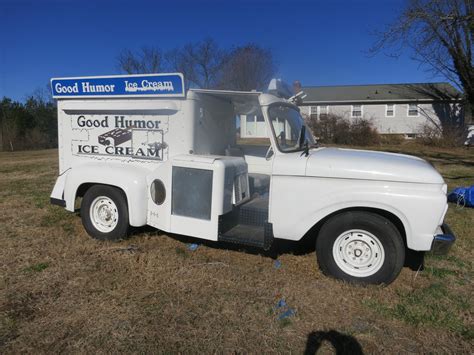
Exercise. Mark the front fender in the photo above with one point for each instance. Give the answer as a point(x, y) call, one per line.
point(298, 203)
point(354, 204)
point(132, 180)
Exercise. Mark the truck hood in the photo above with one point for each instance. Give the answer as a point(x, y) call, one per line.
point(370, 165)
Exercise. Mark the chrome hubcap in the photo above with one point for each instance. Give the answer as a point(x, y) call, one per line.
point(104, 214)
point(358, 253)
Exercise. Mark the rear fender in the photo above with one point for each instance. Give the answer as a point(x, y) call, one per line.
point(130, 179)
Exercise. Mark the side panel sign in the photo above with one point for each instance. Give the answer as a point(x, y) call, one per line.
point(118, 135)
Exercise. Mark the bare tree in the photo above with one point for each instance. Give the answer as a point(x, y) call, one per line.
point(201, 62)
point(205, 65)
point(440, 33)
point(177, 62)
point(144, 61)
point(247, 68)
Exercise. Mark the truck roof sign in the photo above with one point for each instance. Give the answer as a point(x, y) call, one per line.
point(143, 85)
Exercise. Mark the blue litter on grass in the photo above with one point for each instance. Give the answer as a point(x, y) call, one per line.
point(277, 264)
point(281, 303)
point(462, 196)
point(193, 246)
point(289, 313)
point(284, 310)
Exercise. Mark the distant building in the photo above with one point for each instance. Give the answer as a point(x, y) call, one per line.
point(252, 126)
point(392, 108)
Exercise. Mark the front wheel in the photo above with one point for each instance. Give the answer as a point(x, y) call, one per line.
point(360, 247)
point(104, 213)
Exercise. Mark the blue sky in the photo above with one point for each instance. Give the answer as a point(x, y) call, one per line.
point(316, 42)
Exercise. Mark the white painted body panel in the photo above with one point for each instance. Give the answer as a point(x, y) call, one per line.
point(170, 114)
point(289, 164)
point(370, 165)
point(159, 216)
point(330, 180)
point(130, 179)
point(206, 229)
point(58, 189)
point(420, 207)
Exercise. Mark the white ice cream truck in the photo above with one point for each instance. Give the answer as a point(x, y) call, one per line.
point(140, 150)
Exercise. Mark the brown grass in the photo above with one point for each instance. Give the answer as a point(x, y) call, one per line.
point(61, 291)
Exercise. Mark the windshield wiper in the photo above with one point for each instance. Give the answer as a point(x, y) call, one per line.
point(305, 149)
point(301, 139)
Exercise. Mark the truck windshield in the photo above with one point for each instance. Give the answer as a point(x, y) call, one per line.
point(289, 128)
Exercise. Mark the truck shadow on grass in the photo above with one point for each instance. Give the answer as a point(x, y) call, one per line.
point(342, 343)
point(413, 260)
point(279, 246)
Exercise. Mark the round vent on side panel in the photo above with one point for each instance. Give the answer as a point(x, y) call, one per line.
point(158, 191)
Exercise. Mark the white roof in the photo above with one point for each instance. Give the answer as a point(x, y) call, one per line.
point(245, 102)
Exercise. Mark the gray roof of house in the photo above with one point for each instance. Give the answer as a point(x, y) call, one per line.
point(381, 92)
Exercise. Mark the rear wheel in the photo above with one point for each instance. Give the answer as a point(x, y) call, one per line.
point(104, 213)
point(360, 247)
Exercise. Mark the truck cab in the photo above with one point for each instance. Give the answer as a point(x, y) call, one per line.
point(147, 152)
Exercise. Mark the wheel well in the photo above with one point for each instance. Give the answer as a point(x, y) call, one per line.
point(314, 231)
point(82, 189)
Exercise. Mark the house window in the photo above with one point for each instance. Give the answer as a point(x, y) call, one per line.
point(390, 110)
point(356, 111)
point(320, 111)
point(323, 111)
point(251, 125)
point(413, 110)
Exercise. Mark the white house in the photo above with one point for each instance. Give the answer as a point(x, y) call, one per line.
point(392, 108)
point(252, 126)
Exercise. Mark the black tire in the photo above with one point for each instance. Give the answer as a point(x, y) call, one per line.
point(120, 210)
point(387, 252)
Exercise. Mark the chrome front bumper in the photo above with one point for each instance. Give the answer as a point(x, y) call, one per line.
point(443, 242)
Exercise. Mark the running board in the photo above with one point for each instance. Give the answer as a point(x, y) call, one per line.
point(233, 230)
point(256, 236)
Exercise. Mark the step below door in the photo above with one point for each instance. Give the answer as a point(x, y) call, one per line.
point(248, 224)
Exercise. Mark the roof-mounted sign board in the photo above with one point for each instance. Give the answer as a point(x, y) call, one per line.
point(144, 85)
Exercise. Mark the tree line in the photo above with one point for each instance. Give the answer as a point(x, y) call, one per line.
point(28, 125)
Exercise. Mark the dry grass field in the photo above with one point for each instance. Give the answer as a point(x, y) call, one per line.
point(61, 291)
